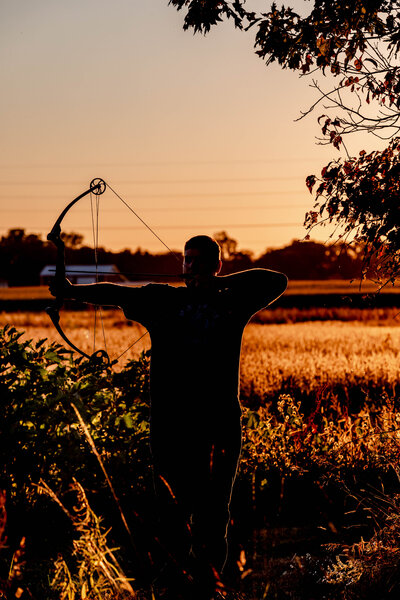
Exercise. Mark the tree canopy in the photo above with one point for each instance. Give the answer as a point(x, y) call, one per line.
point(355, 44)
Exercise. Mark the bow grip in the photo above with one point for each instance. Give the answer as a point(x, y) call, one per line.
point(55, 236)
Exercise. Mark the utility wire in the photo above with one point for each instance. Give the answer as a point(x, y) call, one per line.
point(161, 181)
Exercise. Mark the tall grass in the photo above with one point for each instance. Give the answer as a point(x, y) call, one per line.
point(94, 571)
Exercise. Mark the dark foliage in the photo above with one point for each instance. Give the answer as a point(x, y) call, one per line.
point(362, 196)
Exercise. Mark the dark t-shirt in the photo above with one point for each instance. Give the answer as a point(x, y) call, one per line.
point(196, 340)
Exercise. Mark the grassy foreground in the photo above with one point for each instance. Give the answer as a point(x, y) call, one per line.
point(315, 510)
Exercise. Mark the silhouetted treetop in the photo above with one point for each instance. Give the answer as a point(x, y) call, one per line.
point(201, 15)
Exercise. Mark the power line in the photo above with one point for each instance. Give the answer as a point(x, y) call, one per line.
point(159, 181)
point(159, 163)
point(166, 209)
point(178, 195)
point(193, 226)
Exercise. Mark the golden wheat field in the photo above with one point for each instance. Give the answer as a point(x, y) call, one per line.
point(302, 356)
point(310, 356)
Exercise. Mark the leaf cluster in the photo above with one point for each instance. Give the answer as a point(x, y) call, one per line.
point(330, 36)
point(201, 15)
point(334, 35)
point(41, 437)
point(360, 195)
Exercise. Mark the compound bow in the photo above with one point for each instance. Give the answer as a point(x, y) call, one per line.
point(97, 187)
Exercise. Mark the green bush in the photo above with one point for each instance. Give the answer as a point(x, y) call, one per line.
point(41, 437)
point(66, 420)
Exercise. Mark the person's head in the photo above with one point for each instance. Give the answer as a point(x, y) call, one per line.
point(202, 256)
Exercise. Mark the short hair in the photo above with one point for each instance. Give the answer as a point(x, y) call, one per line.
point(207, 245)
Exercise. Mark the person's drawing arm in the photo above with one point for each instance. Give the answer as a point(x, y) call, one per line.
point(258, 287)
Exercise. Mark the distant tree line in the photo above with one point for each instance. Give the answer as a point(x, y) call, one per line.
point(23, 256)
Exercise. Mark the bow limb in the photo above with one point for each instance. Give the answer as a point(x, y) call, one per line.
point(54, 314)
point(97, 187)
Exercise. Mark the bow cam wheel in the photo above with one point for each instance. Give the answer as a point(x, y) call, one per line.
point(98, 186)
point(101, 357)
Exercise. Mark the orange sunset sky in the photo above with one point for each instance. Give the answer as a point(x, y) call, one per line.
point(194, 132)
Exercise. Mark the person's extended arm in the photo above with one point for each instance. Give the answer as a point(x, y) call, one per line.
point(106, 294)
point(256, 287)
